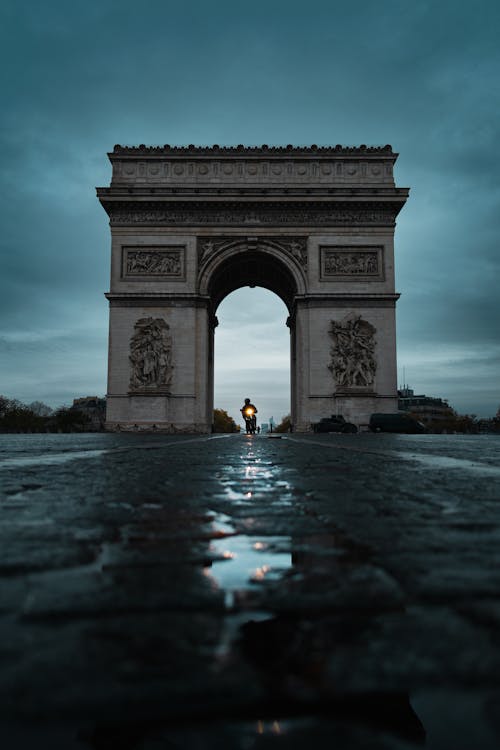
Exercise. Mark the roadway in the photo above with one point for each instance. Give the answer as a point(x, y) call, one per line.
point(245, 591)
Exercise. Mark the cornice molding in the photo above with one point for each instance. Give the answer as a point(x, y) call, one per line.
point(347, 300)
point(260, 151)
point(156, 299)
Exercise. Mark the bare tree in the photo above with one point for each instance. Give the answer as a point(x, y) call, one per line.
point(4, 405)
point(40, 409)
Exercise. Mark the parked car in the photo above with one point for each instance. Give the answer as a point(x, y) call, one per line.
point(398, 422)
point(335, 423)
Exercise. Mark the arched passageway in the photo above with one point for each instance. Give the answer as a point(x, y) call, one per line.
point(252, 354)
point(256, 268)
point(240, 267)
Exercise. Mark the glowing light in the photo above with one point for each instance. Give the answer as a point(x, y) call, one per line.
point(259, 545)
point(260, 727)
point(249, 494)
point(227, 555)
point(260, 573)
point(276, 727)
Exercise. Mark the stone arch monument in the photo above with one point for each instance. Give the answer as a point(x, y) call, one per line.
point(190, 224)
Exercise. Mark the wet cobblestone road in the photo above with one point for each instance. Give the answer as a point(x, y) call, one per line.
point(249, 592)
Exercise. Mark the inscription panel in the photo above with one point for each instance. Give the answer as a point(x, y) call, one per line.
point(352, 263)
point(154, 262)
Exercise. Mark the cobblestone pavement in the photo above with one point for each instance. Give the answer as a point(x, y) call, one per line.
point(249, 592)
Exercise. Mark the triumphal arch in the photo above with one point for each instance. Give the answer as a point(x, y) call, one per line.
point(191, 224)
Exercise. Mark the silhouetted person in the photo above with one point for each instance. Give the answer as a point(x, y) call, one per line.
point(249, 411)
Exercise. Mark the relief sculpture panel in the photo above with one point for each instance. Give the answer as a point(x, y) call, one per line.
point(353, 363)
point(352, 263)
point(296, 247)
point(164, 262)
point(151, 356)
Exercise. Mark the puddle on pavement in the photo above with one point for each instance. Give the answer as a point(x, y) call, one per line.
point(223, 526)
point(49, 460)
point(447, 462)
point(244, 560)
point(247, 497)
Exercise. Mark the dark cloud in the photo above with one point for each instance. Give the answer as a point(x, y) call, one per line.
point(78, 78)
point(55, 365)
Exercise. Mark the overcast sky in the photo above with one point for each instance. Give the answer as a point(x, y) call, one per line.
point(79, 77)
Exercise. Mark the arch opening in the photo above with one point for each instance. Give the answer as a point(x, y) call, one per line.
point(254, 269)
point(252, 355)
point(261, 267)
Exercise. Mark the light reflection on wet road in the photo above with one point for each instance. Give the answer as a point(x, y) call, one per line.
point(326, 587)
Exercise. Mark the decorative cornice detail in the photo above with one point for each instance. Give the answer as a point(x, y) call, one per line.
point(241, 166)
point(264, 150)
point(343, 300)
point(156, 299)
point(243, 171)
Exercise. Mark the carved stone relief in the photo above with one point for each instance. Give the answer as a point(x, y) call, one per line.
point(291, 246)
point(265, 215)
point(353, 363)
point(353, 262)
point(151, 355)
point(240, 171)
point(156, 261)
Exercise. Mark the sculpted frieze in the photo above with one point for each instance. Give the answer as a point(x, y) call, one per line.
point(151, 355)
point(155, 261)
point(292, 246)
point(262, 215)
point(351, 262)
point(254, 171)
point(353, 363)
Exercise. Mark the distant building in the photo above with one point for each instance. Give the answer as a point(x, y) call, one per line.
point(427, 408)
point(264, 427)
point(94, 408)
point(489, 425)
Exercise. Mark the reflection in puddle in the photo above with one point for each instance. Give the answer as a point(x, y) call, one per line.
point(48, 460)
point(242, 484)
point(447, 462)
point(223, 526)
point(245, 561)
point(293, 658)
point(269, 727)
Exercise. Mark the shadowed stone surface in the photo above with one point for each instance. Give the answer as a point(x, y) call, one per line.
point(246, 592)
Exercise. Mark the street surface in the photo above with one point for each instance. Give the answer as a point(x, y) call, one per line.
point(249, 592)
